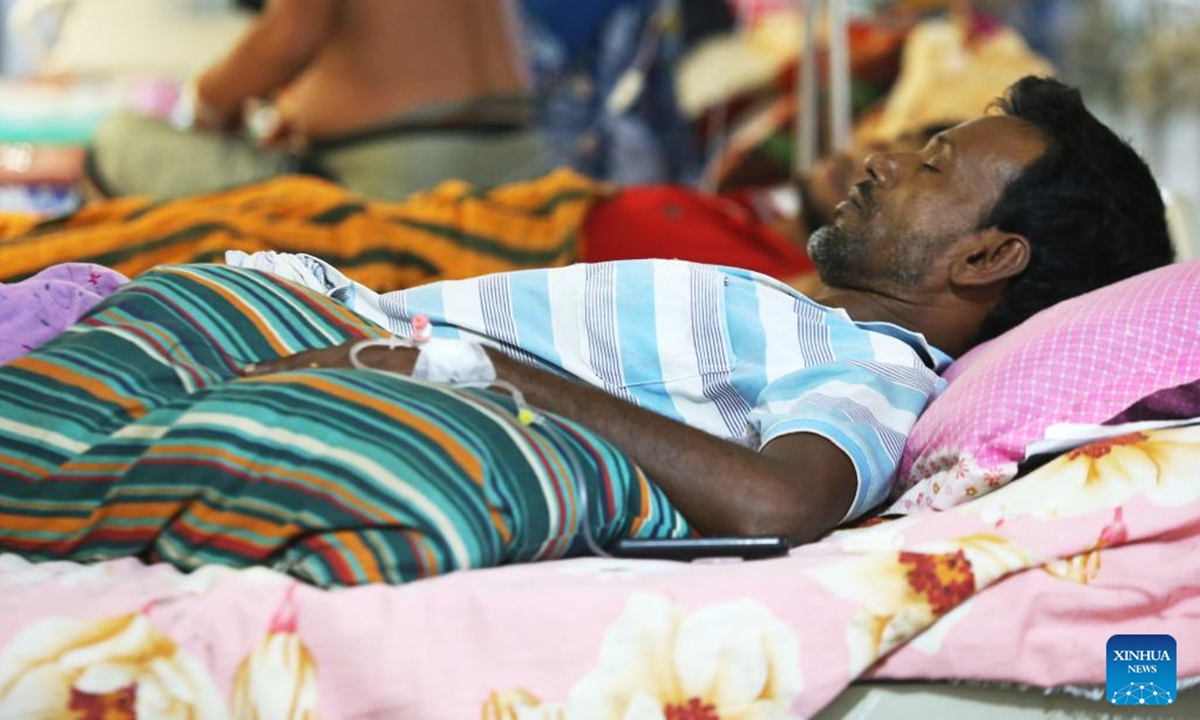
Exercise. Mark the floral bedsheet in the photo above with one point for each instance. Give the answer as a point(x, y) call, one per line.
point(1023, 585)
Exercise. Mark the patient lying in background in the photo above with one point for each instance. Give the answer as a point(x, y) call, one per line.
point(451, 232)
point(674, 221)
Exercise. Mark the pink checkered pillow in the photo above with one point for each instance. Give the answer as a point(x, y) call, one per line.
point(1083, 361)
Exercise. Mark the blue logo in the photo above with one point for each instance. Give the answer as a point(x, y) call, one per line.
point(1141, 670)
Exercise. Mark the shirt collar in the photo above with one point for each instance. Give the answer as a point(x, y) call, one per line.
point(931, 356)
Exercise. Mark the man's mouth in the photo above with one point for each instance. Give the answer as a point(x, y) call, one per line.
point(860, 197)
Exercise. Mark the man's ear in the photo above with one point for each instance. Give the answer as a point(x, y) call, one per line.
point(990, 256)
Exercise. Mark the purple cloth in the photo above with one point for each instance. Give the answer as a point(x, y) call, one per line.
point(1175, 403)
point(35, 310)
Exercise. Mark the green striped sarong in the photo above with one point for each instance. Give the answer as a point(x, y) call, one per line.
point(133, 434)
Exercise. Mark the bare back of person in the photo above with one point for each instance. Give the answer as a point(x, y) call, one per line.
point(387, 57)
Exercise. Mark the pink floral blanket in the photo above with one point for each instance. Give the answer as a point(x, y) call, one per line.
point(1023, 585)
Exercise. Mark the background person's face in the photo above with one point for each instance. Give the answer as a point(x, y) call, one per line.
point(896, 226)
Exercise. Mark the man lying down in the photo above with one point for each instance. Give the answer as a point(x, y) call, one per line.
point(218, 414)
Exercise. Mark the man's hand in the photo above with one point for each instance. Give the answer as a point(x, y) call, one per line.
point(209, 116)
point(273, 131)
point(398, 360)
point(799, 485)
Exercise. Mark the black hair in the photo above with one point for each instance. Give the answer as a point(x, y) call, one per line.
point(1089, 206)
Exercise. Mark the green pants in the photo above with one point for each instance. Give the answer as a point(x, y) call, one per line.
point(135, 155)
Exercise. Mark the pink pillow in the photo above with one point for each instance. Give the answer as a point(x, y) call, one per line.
point(1083, 360)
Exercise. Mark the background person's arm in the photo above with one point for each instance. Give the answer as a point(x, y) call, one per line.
point(800, 485)
point(280, 44)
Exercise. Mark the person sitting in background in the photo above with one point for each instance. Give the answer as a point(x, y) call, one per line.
point(386, 97)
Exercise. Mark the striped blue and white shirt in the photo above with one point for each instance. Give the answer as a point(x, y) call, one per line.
point(728, 351)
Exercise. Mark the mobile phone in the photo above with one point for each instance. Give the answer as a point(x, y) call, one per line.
point(688, 549)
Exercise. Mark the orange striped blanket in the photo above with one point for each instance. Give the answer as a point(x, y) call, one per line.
point(452, 231)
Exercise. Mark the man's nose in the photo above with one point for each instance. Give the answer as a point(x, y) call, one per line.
point(881, 168)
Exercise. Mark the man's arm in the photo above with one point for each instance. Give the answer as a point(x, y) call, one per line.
point(280, 44)
point(799, 485)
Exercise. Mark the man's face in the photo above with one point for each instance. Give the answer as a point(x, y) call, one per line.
point(836, 173)
point(894, 227)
